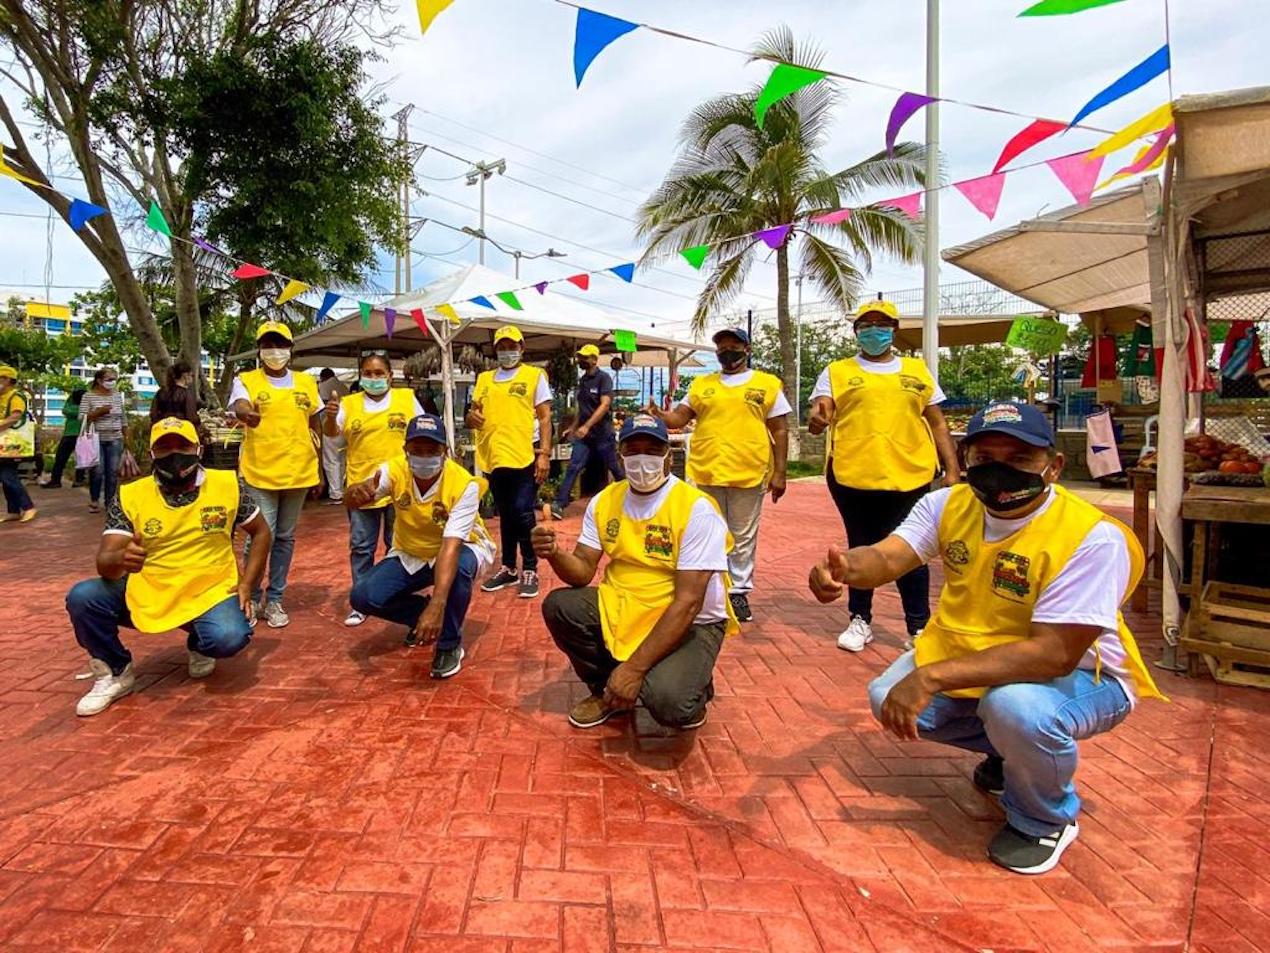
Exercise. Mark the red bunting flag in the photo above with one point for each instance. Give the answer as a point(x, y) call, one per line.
point(583, 281)
point(248, 271)
point(420, 320)
point(1034, 134)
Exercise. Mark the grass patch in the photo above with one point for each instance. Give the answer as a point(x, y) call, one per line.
point(797, 468)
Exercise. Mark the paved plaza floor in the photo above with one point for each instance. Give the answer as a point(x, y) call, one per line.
point(321, 793)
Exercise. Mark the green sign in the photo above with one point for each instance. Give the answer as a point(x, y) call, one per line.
point(624, 340)
point(1039, 336)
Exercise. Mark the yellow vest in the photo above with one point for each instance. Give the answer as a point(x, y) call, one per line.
point(190, 564)
point(880, 440)
point(374, 438)
point(990, 589)
point(280, 454)
point(418, 526)
point(731, 445)
point(507, 439)
point(639, 580)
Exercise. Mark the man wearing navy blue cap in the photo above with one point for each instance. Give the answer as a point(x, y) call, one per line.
point(439, 541)
point(652, 630)
point(1027, 652)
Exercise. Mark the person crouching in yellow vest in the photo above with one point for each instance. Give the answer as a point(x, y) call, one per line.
point(439, 541)
point(166, 561)
point(1027, 652)
point(279, 458)
point(739, 449)
point(653, 629)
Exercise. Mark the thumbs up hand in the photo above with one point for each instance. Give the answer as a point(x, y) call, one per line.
point(475, 416)
point(134, 556)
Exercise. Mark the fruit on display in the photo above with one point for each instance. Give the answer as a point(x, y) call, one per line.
point(1205, 453)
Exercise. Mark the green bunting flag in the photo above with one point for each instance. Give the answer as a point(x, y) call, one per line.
point(156, 222)
point(365, 309)
point(696, 256)
point(624, 341)
point(1058, 8)
point(509, 298)
point(784, 81)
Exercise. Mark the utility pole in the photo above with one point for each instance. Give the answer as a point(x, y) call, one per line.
point(930, 270)
point(477, 175)
point(411, 153)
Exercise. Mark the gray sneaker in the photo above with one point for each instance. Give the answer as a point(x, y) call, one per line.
point(528, 584)
point(505, 577)
point(1025, 854)
point(276, 616)
point(447, 662)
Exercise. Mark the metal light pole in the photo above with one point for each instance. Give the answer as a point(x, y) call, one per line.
point(477, 175)
point(930, 270)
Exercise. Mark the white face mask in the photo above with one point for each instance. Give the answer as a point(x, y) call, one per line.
point(275, 358)
point(645, 472)
point(109, 385)
point(508, 359)
point(425, 468)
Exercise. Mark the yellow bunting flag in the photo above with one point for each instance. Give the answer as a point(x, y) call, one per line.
point(1153, 121)
point(292, 289)
point(6, 169)
point(41, 309)
point(429, 10)
point(449, 313)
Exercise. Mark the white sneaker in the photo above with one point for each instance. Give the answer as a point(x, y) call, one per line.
point(856, 635)
point(276, 616)
point(354, 618)
point(106, 690)
point(201, 666)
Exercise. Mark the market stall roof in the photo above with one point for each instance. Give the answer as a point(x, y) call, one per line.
point(958, 329)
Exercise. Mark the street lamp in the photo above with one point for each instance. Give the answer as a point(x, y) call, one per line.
point(516, 253)
point(477, 175)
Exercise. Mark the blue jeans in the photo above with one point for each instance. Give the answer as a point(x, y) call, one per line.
point(97, 608)
point(281, 510)
point(1033, 726)
point(106, 474)
point(364, 529)
point(389, 592)
point(16, 498)
point(605, 446)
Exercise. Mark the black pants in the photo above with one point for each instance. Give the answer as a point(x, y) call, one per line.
point(65, 450)
point(869, 517)
point(675, 690)
point(515, 493)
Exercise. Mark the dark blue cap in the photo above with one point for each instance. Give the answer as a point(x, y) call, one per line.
point(647, 424)
point(1021, 421)
point(429, 426)
point(739, 333)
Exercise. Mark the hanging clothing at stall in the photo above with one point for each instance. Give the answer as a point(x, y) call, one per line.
point(1101, 365)
point(1240, 360)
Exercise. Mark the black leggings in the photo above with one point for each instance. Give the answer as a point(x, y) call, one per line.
point(515, 493)
point(869, 517)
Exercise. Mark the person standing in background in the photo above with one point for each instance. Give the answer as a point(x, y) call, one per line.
point(331, 388)
point(12, 414)
point(887, 440)
point(279, 460)
point(176, 397)
point(102, 407)
point(71, 424)
point(593, 433)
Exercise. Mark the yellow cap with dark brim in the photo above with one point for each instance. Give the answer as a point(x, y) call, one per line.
point(589, 350)
point(9, 371)
point(173, 425)
point(273, 327)
point(509, 332)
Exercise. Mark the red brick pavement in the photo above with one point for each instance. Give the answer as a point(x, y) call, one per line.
point(322, 793)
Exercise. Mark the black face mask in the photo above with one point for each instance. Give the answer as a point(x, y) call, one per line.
point(731, 359)
point(1004, 488)
point(176, 471)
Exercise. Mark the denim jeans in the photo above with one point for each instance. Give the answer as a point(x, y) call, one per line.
point(605, 446)
point(389, 592)
point(1034, 726)
point(364, 529)
point(105, 476)
point(281, 510)
point(97, 608)
point(16, 498)
point(515, 493)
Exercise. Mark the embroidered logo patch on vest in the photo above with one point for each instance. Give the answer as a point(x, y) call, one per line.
point(908, 382)
point(855, 381)
point(152, 527)
point(356, 425)
point(658, 540)
point(403, 501)
point(611, 529)
point(708, 392)
point(440, 515)
point(264, 396)
point(302, 401)
point(213, 519)
point(755, 396)
point(397, 422)
point(519, 389)
point(956, 555)
point(1009, 575)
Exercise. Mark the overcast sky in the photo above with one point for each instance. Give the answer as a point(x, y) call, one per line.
point(494, 79)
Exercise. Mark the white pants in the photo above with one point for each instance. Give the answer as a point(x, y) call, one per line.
point(741, 508)
point(333, 449)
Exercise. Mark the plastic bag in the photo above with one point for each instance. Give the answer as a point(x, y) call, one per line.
point(87, 449)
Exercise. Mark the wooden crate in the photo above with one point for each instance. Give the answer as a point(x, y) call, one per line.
point(1229, 627)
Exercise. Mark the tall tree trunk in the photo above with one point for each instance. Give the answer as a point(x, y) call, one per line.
point(784, 328)
point(188, 319)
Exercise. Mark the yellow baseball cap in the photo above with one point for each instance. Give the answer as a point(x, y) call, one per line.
point(885, 308)
point(589, 350)
point(273, 327)
point(173, 425)
point(7, 370)
point(508, 332)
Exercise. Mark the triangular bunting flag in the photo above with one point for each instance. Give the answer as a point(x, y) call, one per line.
point(1077, 174)
point(81, 213)
point(910, 205)
point(207, 246)
point(1136, 78)
point(582, 281)
point(775, 236)
point(1058, 8)
point(1148, 157)
point(247, 271)
point(984, 193)
point(483, 301)
point(390, 320)
point(447, 311)
point(364, 307)
point(420, 320)
point(156, 222)
point(1036, 133)
point(901, 112)
point(541, 287)
point(509, 298)
point(1153, 121)
point(328, 302)
point(832, 218)
point(293, 289)
point(6, 169)
point(696, 256)
point(429, 10)
point(594, 32)
point(625, 341)
point(625, 272)
point(785, 80)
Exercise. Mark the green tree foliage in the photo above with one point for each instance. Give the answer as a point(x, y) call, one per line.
point(37, 356)
point(823, 343)
point(978, 373)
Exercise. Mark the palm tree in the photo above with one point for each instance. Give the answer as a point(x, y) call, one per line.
point(732, 179)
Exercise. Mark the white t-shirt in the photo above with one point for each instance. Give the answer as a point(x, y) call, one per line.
point(459, 525)
point(239, 392)
point(1089, 590)
point(779, 409)
point(377, 405)
point(822, 388)
point(704, 544)
point(542, 393)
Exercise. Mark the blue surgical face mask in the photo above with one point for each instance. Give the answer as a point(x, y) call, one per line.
point(375, 386)
point(875, 341)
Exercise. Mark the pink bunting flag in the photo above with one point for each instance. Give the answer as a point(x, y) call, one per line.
point(248, 271)
point(984, 193)
point(1147, 158)
point(832, 218)
point(1033, 135)
point(1078, 174)
point(775, 236)
point(542, 287)
point(901, 112)
point(582, 281)
point(910, 205)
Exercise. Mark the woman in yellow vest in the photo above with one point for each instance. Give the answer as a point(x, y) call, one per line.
point(439, 541)
point(166, 561)
point(887, 437)
point(372, 422)
point(652, 630)
point(279, 457)
point(1027, 652)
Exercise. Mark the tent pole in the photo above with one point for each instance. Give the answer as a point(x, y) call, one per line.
point(447, 382)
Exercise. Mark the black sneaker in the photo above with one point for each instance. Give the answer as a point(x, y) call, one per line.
point(447, 662)
point(529, 584)
point(741, 606)
point(989, 776)
point(505, 577)
point(1025, 854)
point(556, 512)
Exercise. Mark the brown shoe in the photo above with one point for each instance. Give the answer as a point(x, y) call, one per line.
point(592, 711)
